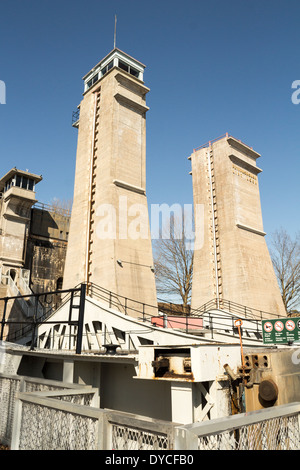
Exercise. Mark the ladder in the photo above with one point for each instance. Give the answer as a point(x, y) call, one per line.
point(92, 189)
point(215, 224)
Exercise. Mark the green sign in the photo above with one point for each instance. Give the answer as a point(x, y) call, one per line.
point(281, 330)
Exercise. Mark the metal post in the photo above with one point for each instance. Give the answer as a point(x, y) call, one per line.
point(70, 308)
point(210, 325)
point(34, 321)
point(238, 323)
point(80, 319)
point(3, 318)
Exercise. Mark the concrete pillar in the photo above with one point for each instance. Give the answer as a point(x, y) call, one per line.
point(232, 262)
point(182, 402)
point(68, 371)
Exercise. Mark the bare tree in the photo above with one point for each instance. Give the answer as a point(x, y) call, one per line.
point(285, 254)
point(173, 262)
point(61, 205)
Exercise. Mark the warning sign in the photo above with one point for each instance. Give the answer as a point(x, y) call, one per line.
point(268, 327)
point(279, 326)
point(290, 325)
point(281, 331)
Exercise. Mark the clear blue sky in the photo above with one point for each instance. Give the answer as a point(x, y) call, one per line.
point(212, 67)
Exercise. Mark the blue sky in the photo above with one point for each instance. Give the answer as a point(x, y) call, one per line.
point(212, 67)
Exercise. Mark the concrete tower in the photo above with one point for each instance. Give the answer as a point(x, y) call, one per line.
point(109, 238)
point(232, 261)
point(17, 196)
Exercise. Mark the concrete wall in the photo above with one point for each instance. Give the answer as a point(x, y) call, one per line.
point(46, 250)
point(137, 396)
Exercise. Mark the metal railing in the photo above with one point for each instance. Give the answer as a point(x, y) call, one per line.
point(124, 304)
point(130, 306)
point(11, 385)
point(199, 321)
point(50, 415)
point(235, 308)
point(29, 327)
point(227, 135)
point(275, 428)
point(52, 208)
point(211, 322)
point(75, 117)
point(39, 414)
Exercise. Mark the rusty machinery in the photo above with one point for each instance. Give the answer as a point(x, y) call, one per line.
point(268, 377)
point(174, 363)
point(258, 376)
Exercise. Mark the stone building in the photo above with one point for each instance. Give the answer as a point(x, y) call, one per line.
point(46, 248)
point(33, 241)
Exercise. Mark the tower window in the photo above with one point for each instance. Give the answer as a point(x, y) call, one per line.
point(123, 66)
point(8, 184)
point(24, 183)
point(18, 181)
point(134, 72)
point(92, 81)
point(128, 68)
point(107, 67)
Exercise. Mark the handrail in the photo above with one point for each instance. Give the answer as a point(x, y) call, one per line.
point(37, 320)
point(137, 306)
point(227, 135)
point(234, 307)
point(52, 208)
point(148, 313)
point(227, 305)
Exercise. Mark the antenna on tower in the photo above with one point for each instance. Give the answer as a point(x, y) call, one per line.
point(115, 34)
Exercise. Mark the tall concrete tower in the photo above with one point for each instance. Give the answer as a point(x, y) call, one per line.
point(109, 238)
point(232, 261)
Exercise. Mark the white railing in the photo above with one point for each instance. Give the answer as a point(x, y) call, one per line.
point(276, 428)
point(10, 386)
point(38, 414)
point(20, 290)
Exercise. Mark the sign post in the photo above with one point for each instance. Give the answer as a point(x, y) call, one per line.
point(281, 330)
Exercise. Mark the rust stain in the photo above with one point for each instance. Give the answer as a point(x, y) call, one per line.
point(170, 374)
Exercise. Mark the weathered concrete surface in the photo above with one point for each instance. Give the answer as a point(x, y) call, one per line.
point(109, 221)
point(233, 262)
